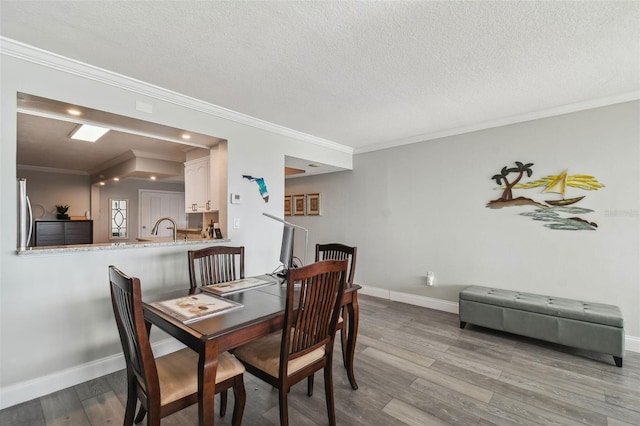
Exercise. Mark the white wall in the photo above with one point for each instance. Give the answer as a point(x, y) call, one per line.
point(421, 208)
point(56, 324)
point(126, 189)
point(47, 189)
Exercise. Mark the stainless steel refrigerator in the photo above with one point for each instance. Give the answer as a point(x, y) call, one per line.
point(25, 216)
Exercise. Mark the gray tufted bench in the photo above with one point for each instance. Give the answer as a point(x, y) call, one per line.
point(584, 325)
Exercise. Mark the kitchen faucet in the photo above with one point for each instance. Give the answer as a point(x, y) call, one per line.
point(154, 230)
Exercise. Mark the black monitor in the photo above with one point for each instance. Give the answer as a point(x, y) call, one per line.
point(286, 248)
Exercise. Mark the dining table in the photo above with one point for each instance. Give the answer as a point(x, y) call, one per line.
point(262, 313)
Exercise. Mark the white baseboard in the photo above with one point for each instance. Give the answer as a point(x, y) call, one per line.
point(425, 302)
point(35, 388)
point(631, 343)
point(411, 299)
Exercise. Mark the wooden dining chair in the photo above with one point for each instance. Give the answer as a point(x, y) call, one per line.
point(169, 383)
point(338, 251)
point(215, 264)
point(305, 344)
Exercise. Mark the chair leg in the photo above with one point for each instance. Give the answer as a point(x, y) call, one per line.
point(343, 343)
point(310, 385)
point(223, 403)
point(129, 411)
point(141, 413)
point(132, 400)
point(343, 337)
point(351, 330)
point(240, 397)
point(328, 391)
point(153, 416)
point(284, 409)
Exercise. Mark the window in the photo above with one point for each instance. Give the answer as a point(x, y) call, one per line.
point(118, 229)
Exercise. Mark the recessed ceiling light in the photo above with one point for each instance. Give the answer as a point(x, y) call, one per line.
point(152, 178)
point(186, 136)
point(116, 179)
point(101, 184)
point(74, 111)
point(314, 165)
point(86, 132)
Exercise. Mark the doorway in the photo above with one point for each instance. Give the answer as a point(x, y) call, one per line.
point(153, 205)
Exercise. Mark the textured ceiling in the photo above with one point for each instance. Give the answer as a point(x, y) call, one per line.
point(361, 74)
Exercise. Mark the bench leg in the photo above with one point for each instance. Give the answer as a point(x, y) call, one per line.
point(618, 361)
point(463, 324)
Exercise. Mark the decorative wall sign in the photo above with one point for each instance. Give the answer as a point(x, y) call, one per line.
point(262, 186)
point(552, 210)
point(287, 205)
point(298, 205)
point(313, 204)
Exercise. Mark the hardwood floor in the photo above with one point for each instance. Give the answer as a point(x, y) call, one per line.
point(414, 366)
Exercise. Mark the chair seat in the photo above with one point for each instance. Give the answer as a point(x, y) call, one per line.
point(178, 373)
point(264, 354)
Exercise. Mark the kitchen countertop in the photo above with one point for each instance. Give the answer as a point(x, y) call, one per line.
point(145, 242)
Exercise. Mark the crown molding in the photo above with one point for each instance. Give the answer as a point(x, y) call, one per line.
point(51, 170)
point(551, 112)
point(61, 63)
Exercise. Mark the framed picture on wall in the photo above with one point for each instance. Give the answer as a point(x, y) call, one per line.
point(313, 204)
point(298, 205)
point(287, 205)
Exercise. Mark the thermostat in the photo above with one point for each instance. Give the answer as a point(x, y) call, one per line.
point(236, 198)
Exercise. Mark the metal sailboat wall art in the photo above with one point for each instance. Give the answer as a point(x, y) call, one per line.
point(559, 186)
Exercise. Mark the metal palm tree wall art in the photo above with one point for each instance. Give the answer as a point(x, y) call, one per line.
point(559, 213)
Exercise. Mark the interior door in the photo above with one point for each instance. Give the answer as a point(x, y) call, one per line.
point(154, 205)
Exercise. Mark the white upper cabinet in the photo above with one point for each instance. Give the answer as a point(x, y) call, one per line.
point(197, 186)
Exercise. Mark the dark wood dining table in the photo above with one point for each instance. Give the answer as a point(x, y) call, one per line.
point(262, 313)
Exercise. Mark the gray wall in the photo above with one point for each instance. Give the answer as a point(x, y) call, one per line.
point(126, 189)
point(46, 190)
point(421, 207)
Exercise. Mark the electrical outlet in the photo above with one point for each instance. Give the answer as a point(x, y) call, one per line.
point(236, 223)
point(431, 277)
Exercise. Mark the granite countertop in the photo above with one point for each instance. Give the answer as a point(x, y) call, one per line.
point(145, 242)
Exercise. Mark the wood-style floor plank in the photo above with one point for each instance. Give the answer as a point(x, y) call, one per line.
point(406, 414)
point(414, 366)
point(104, 409)
point(64, 408)
point(479, 409)
point(26, 414)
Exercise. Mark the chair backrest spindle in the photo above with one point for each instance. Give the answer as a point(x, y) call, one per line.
point(316, 291)
point(216, 264)
point(338, 251)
